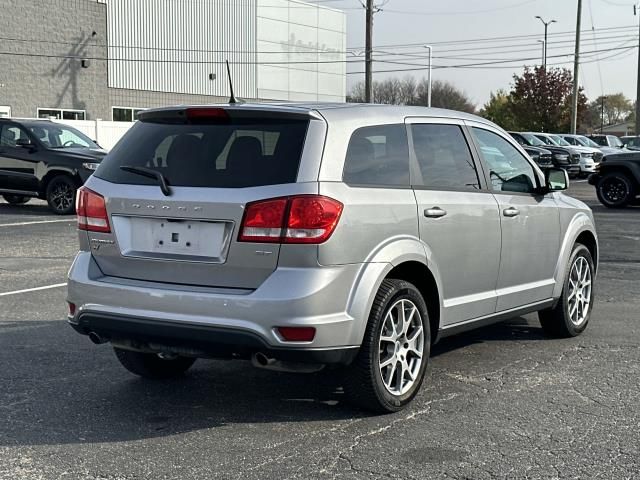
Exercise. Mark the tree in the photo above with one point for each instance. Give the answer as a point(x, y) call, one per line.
point(611, 109)
point(499, 110)
point(541, 100)
point(410, 92)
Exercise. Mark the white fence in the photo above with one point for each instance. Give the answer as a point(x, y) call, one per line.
point(105, 133)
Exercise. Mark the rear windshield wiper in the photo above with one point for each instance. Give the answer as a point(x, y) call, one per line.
point(152, 174)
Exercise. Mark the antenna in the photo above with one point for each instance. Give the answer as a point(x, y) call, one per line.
point(232, 98)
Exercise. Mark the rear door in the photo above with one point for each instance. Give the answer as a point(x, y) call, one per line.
point(215, 163)
point(17, 164)
point(530, 222)
point(459, 219)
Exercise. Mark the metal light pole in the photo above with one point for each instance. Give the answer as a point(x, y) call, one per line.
point(430, 48)
point(546, 26)
point(576, 75)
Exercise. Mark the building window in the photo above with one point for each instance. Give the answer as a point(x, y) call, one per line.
point(61, 113)
point(125, 114)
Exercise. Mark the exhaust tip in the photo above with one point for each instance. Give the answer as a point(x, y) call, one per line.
point(97, 339)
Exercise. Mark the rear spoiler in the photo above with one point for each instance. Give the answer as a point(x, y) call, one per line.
point(224, 114)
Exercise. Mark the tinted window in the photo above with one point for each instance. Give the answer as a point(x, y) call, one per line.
point(10, 134)
point(508, 168)
point(444, 157)
point(378, 156)
point(233, 153)
point(55, 135)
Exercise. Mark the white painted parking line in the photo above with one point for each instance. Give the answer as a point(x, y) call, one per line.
point(36, 222)
point(26, 290)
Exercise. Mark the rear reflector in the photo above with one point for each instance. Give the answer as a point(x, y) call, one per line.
point(298, 219)
point(72, 309)
point(91, 211)
point(297, 334)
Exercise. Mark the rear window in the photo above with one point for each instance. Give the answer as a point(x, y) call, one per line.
point(239, 153)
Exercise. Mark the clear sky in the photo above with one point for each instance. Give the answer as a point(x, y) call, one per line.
point(463, 22)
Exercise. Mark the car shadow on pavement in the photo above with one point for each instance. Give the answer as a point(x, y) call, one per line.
point(516, 329)
point(58, 388)
point(34, 210)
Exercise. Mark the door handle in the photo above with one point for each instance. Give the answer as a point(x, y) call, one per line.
point(511, 212)
point(435, 212)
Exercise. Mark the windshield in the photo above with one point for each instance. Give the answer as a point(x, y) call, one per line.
point(546, 140)
point(559, 141)
point(533, 140)
point(587, 142)
point(615, 141)
point(61, 136)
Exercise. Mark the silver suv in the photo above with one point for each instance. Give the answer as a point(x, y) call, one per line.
point(309, 235)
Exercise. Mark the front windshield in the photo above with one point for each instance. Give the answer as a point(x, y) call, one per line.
point(533, 140)
point(616, 142)
point(54, 135)
point(546, 140)
point(559, 141)
point(587, 142)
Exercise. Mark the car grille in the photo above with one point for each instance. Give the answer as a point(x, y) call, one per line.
point(575, 158)
point(597, 156)
point(545, 158)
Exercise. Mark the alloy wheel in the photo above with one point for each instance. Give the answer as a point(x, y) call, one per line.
point(401, 347)
point(579, 298)
point(62, 196)
point(614, 190)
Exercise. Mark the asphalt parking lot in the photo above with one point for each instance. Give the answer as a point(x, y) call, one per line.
point(500, 402)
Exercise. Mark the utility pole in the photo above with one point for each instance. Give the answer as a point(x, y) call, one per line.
point(430, 48)
point(635, 12)
point(544, 52)
point(576, 66)
point(368, 76)
point(546, 26)
point(602, 114)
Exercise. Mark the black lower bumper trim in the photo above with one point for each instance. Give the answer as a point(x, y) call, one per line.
point(205, 340)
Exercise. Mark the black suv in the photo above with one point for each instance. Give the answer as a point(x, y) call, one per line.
point(617, 180)
point(562, 157)
point(43, 159)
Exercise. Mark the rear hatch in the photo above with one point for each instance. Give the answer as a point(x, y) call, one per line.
point(214, 161)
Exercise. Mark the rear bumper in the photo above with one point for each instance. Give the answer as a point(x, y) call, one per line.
point(200, 340)
point(317, 297)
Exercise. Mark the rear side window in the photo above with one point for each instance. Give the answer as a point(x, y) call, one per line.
point(444, 157)
point(378, 156)
point(232, 154)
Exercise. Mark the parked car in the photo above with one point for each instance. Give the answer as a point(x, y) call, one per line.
point(44, 159)
point(617, 181)
point(607, 141)
point(542, 156)
point(631, 142)
point(562, 157)
point(583, 141)
point(301, 236)
point(589, 157)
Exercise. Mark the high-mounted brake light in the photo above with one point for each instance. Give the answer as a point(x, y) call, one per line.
point(207, 114)
point(91, 211)
point(298, 219)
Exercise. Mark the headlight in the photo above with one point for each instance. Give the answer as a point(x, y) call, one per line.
point(561, 156)
point(90, 165)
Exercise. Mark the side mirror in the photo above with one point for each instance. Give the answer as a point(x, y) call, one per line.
point(24, 142)
point(557, 179)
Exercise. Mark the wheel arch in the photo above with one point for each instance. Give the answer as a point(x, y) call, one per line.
point(51, 174)
point(631, 170)
point(579, 230)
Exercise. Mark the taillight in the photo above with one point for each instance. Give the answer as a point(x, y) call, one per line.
point(91, 211)
point(263, 221)
point(297, 219)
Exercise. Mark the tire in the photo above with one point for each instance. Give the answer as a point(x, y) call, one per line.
point(61, 195)
point(615, 190)
point(16, 199)
point(364, 384)
point(561, 321)
point(151, 365)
